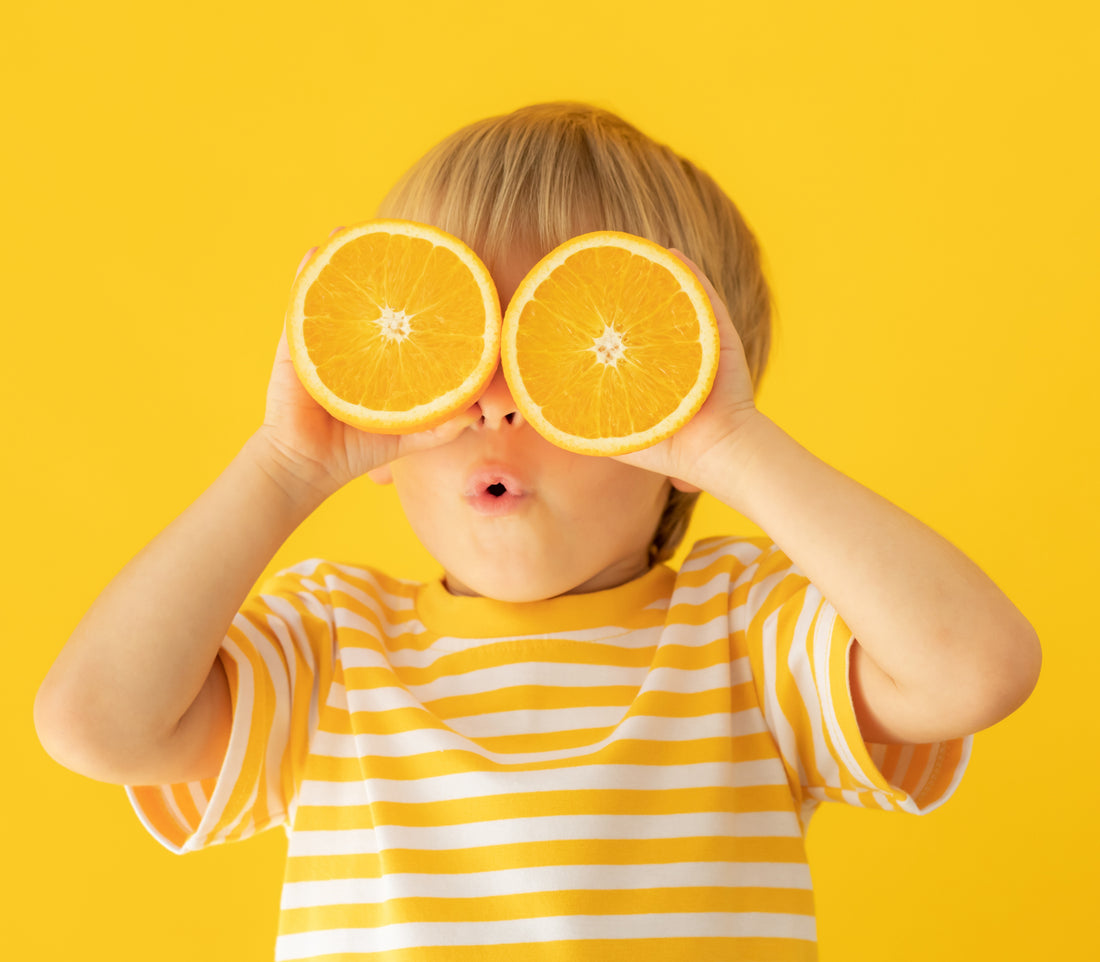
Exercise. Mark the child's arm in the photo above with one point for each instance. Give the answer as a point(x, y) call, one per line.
point(941, 651)
point(138, 695)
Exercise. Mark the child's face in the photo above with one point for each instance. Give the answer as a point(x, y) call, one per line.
point(577, 523)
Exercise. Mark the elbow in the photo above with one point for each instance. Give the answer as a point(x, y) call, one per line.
point(1011, 679)
point(57, 726)
point(70, 735)
point(62, 720)
point(991, 687)
point(980, 686)
point(1028, 658)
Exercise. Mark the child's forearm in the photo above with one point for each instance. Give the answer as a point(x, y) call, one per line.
point(139, 658)
point(953, 644)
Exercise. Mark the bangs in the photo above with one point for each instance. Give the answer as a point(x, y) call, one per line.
point(522, 183)
point(533, 179)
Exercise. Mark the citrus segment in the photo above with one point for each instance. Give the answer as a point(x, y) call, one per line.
point(394, 326)
point(609, 344)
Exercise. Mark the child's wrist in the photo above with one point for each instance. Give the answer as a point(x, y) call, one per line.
point(305, 484)
point(726, 472)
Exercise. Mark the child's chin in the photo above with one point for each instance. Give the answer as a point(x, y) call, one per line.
point(509, 585)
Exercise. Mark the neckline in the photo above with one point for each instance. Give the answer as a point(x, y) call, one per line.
point(464, 616)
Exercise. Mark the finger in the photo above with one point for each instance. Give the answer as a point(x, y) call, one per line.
point(302, 262)
point(282, 352)
point(698, 272)
point(726, 327)
point(440, 434)
point(453, 427)
point(695, 269)
point(311, 251)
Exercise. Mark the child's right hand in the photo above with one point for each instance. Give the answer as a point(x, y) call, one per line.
point(323, 452)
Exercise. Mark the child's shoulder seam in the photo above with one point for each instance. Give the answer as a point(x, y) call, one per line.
point(318, 571)
point(731, 544)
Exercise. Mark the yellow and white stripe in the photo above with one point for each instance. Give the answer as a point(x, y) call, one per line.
point(622, 774)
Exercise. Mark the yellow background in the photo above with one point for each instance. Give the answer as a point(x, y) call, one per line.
point(923, 180)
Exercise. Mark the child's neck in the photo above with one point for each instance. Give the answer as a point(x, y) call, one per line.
point(619, 573)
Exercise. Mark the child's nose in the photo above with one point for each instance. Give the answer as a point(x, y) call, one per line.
point(497, 407)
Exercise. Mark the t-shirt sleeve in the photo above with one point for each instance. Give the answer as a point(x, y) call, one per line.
point(799, 649)
point(278, 656)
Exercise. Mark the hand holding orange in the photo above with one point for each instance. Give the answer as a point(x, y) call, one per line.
point(609, 343)
point(393, 326)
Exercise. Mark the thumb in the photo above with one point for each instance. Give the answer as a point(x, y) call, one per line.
point(442, 433)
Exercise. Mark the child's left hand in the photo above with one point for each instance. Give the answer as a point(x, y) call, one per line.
point(730, 404)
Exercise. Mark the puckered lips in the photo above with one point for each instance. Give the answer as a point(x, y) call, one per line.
point(495, 490)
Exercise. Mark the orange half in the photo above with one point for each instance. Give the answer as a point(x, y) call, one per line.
point(394, 326)
point(609, 344)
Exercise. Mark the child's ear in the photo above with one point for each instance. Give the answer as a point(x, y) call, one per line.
point(381, 475)
point(684, 486)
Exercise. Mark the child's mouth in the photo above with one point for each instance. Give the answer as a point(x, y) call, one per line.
point(494, 491)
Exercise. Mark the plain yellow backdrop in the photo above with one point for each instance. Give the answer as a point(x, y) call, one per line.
point(923, 181)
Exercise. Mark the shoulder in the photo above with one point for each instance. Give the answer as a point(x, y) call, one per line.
point(320, 574)
point(333, 584)
point(317, 604)
point(742, 558)
point(754, 574)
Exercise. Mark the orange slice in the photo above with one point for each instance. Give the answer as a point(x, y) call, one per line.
point(609, 344)
point(394, 326)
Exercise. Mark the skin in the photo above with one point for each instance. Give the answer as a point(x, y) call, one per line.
point(585, 523)
point(940, 651)
point(138, 695)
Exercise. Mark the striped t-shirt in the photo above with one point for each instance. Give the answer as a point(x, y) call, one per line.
point(625, 774)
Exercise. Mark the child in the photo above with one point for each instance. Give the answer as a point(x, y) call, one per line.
point(562, 748)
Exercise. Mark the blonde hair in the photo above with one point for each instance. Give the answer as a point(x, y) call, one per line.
point(533, 178)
